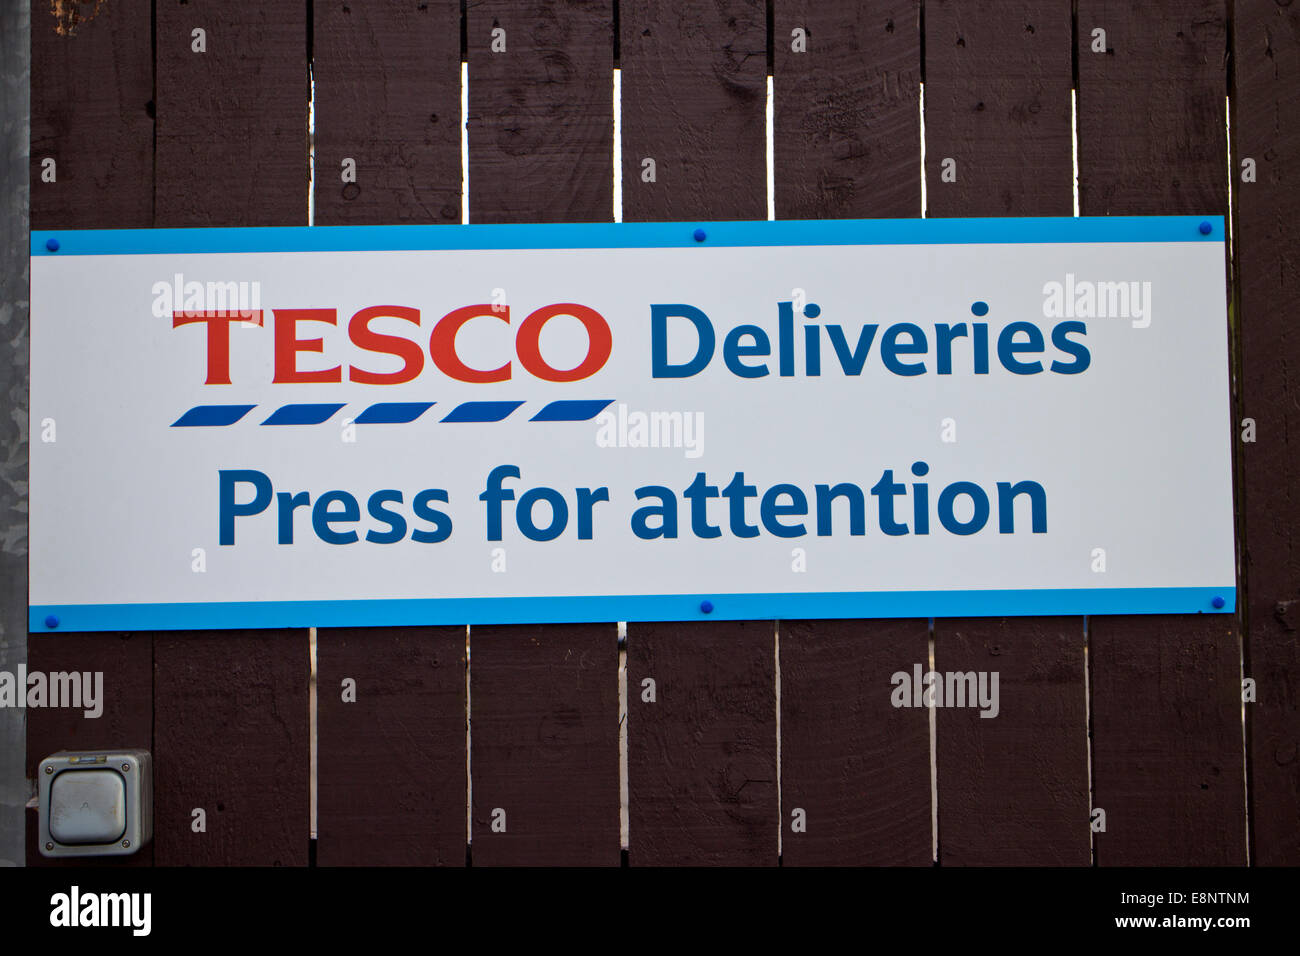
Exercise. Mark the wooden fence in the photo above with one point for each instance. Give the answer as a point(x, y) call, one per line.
point(1139, 716)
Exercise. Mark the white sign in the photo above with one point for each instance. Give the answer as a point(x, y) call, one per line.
point(398, 425)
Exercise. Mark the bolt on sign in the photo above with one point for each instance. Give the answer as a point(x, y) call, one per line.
point(654, 421)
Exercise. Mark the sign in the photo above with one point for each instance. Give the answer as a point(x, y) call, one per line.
point(402, 425)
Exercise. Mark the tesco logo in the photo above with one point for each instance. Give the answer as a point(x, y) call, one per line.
point(292, 334)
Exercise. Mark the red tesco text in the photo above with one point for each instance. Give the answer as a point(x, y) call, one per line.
point(292, 337)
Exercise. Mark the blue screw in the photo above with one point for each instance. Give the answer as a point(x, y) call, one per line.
point(700, 235)
point(52, 245)
point(51, 621)
point(979, 308)
point(1206, 227)
point(706, 607)
point(1218, 601)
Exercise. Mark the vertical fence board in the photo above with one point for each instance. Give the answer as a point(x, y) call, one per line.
point(702, 778)
point(126, 663)
point(997, 102)
point(92, 103)
point(858, 767)
point(1151, 112)
point(1166, 726)
point(544, 713)
point(694, 82)
point(702, 759)
point(92, 80)
point(1012, 789)
point(847, 143)
point(541, 111)
point(230, 737)
point(846, 127)
point(1265, 128)
point(230, 707)
point(386, 93)
point(1166, 701)
point(543, 699)
point(391, 777)
point(231, 143)
point(391, 767)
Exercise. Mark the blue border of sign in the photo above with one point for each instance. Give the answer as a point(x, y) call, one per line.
point(629, 607)
point(657, 607)
point(628, 235)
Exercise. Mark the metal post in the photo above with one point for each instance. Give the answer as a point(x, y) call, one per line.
point(15, 63)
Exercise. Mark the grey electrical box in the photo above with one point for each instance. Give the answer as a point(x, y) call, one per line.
point(95, 803)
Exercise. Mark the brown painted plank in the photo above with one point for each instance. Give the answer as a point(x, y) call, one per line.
point(846, 125)
point(541, 111)
point(387, 96)
point(92, 80)
point(125, 662)
point(92, 113)
point(701, 764)
point(702, 777)
point(230, 737)
point(544, 737)
point(391, 774)
point(1012, 789)
point(543, 699)
point(1266, 130)
point(1166, 726)
point(997, 102)
point(694, 85)
point(847, 143)
point(391, 777)
point(230, 707)
point(1166, 699)
point(1151, 112)
point(232, 121)
point(857, 767)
